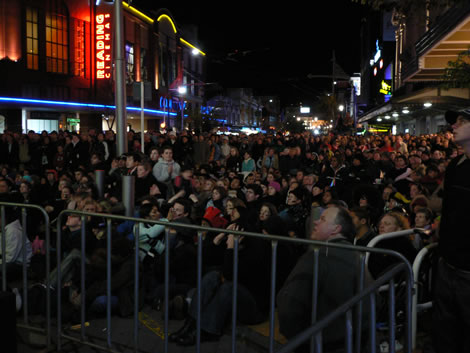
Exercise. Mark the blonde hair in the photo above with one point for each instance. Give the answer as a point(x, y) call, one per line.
point(400, 219)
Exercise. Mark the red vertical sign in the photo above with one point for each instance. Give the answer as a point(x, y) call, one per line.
point(103, 46)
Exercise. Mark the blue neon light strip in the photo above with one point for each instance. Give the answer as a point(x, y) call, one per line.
point(75, 104)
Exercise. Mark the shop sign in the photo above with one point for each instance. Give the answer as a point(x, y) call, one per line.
point(103, 46)
point(172, 103)
point(385, 88)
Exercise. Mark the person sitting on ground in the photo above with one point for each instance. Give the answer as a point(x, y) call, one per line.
point(361, 220)
point(392, 221)
point(216, 290)
point(294, 300)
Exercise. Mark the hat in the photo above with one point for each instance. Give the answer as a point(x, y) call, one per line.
point(299, 193)
point(275, 185)
point(451, 116)
point(52, 171)
point(214, 216)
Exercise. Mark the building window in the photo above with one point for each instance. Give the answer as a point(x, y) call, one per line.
point(56, 39)
point(32, 53)
point(79, 51)
point(143, 64)
point(129, 63)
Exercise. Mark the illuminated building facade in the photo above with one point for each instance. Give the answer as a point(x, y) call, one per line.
point(56, 64)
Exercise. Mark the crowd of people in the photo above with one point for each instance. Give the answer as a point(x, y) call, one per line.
point(266, 183)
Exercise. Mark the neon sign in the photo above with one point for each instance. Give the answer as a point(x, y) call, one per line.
point(385, 88)
point(171, 103)
point(103, 46)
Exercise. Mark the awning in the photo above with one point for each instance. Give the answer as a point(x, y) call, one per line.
point(426, 102)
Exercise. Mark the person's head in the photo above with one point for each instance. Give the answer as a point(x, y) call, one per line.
point(247, 155)
point(132, 160)
point(149, 211)
point(209, 184)
point(167, 154)
point(218, 193)
point(186, 173)
point(253, 192)
point(143, 170)
point(96, 159)
point(78, 174)
point(154, 154)
point(333, 221)
point(360, 217)
point(267, 210)
point(387, 192)
point(66, 193)
point(415, 190)
point(233, 202)
point(233, 151)
point(273, 188)
point(400, 161)
point(457, 119)
point(393, 222)
point(423, 217)
point(250, 179)
point(327, 197)
point(4, 186)
point(295, 197)
point(181, 208)
point(25, 187)
point(235, 183)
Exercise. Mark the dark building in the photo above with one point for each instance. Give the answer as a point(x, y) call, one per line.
point(56, 64)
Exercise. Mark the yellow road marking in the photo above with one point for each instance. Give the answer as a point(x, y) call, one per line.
point(152, 325)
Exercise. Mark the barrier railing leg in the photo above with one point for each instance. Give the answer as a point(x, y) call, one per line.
point(316, 255)
point(274, 245)
point(235, 289)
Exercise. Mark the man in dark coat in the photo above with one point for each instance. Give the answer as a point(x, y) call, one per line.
point(337, 279)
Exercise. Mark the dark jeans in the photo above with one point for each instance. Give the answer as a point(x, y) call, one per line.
point(99, 305)
point(451, 318)
point(216, 304)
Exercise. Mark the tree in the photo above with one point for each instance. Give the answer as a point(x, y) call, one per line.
point(457, 74)
point(404, 6)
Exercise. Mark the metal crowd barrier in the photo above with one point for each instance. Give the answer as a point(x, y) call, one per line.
point(417, 307)
point(313, 333)
point(24, 208)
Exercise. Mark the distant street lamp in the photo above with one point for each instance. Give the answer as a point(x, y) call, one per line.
point(182, 91)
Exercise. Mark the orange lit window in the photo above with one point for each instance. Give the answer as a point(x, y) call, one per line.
point(129, 63)
point(79, 57)
point(32, 53)
point(57, 38)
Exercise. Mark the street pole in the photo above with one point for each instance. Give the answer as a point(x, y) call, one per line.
point(120, 83)
point(142, 91)
point(182, 114)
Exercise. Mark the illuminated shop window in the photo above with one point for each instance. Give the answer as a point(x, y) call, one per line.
point(56, 38)
point(79, 51)
point(32, 53)
point(129, 63)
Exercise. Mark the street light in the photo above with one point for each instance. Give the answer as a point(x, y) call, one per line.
point(182, 91)
point(341, 108)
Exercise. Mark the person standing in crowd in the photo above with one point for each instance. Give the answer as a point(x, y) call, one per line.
point(451, 320)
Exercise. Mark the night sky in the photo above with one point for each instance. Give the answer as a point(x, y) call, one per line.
point(272, 47)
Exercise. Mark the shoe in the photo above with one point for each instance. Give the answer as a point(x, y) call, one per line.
point(188, 326)
point(178, 308)
point(189, 338)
